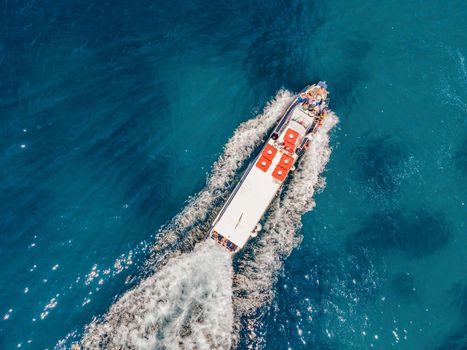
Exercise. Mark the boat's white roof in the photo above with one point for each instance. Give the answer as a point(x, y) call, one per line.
point(248, 205)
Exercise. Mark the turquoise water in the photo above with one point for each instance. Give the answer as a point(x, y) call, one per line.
point(112, 115)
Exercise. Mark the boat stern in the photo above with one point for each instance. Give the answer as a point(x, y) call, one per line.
point(223, 241)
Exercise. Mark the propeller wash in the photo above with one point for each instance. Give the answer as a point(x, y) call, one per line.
point(191, 297)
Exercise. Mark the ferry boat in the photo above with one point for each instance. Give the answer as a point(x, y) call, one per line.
point(239, 218)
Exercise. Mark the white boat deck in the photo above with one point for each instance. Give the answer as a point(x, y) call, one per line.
point(248, 205)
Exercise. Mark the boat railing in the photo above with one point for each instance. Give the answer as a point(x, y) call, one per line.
point(285, 118)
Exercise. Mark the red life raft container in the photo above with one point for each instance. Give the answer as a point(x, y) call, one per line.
point(286, 161)
point(263, 163)
point(269, 152)
point(279, 173)
point(291, 136)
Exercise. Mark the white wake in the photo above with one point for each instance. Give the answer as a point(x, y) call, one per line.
point(191, 298)
point(186, 303)
point(184, 228)
point(257, 271)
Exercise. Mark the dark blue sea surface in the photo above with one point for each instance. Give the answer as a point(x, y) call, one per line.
point(113, 112)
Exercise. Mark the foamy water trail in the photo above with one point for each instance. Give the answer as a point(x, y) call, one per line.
point(238, 149)
point(187, 304)
point(257, 271)
point(189, 301)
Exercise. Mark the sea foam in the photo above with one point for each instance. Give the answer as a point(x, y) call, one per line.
point(258, 268)
point(191, 298)
point(189, 226)
point(187, 304)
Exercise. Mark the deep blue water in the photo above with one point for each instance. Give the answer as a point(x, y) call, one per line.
point(112, 114)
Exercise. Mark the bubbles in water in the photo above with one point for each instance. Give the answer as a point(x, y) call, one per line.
point(185, 301)
point(198, 209)
point(187, 304)
point(259, 264)
point(188, 301)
